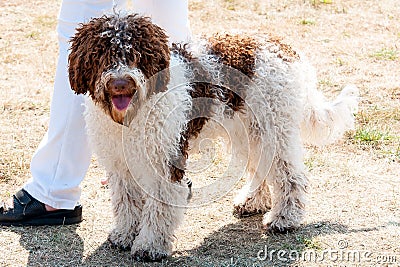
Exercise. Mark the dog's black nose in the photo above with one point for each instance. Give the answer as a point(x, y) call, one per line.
point(119, 84)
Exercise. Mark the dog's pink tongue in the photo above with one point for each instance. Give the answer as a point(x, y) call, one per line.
point(121, 102)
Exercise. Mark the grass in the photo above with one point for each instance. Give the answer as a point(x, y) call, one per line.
point(386, 54)
point(371, 135)
point(230, 5)
point(310, 243)
point(327, 83)
point(307, 21)
point(45, 22)
point(317, 2)
point(354, 191)
point(340, 62)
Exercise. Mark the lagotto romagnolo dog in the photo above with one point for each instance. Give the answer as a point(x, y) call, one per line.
point(125, 63)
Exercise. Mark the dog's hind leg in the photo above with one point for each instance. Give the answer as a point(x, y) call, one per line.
point(289, 185)
point(127, 208)
point(255, 196)
point(250, 202)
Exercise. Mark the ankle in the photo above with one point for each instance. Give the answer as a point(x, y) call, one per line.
point(49, 208)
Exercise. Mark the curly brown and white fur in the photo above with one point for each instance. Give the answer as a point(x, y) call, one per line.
point(125, 62)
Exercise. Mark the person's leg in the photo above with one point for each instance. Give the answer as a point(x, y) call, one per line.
point(62, 158)
point(171, 15)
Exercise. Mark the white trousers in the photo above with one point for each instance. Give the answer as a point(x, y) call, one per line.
point(63, 156)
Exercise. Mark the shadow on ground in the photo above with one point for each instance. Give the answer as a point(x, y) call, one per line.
point(239, 244)
point(245, 244)
point(51, 246)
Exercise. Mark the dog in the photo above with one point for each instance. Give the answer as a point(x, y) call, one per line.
point(148, 104)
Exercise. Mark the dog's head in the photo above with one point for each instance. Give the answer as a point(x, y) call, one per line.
point(116, 59)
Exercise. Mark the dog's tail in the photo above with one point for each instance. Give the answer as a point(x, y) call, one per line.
point(325, 122)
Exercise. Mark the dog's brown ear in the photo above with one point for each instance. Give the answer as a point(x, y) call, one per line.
point(84, 59)
point(151, 43)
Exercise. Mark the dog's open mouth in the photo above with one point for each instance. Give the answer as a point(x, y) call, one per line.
point(121, 102)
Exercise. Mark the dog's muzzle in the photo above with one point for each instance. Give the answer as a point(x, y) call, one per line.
point(121, 91)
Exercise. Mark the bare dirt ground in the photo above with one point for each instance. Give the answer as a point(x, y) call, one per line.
point(354, 211)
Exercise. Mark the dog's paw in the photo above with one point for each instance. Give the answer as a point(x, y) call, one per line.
point(250, 206)
point(148, 255)
point(145, 249)
point(120, 240)
point(277, 229)
point(242, 211)
point(279, 224)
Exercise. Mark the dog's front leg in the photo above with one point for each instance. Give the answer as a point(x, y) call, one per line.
point(127, 206)
point(153, 142)
point(162, 213)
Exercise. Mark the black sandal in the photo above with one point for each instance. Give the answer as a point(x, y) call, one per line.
point(29, 211)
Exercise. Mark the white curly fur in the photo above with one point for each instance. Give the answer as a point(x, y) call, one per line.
point(282, 105)
point(143, 189)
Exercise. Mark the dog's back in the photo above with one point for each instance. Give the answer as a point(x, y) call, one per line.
point(231, 68)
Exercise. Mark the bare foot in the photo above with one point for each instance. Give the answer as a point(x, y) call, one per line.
point(9, 205)
point(49, 208)
point(104, 180)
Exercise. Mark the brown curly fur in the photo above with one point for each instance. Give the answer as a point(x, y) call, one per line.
point(236, 51)
point(232, 50)
point(105, 42)
point(285, 51)
point(195, 125)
